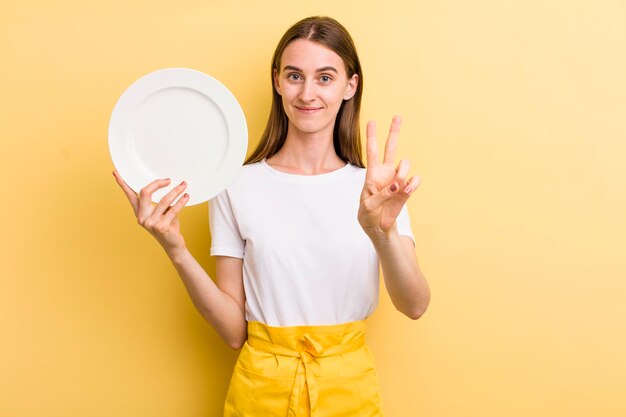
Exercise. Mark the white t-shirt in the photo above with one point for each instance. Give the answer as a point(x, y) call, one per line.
point(306, 259)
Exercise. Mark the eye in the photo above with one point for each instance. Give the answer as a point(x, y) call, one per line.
point(294, 76)
point(326, 79)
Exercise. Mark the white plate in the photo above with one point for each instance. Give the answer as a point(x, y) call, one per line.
point(181, 124)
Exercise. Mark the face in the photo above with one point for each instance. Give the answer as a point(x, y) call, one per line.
point(312, 83)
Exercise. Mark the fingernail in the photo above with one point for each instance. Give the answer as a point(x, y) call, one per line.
point(407, 190)
point(183, 183)
point(394, 187)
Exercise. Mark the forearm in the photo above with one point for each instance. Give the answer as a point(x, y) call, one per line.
point(216, 306)
point(404, 280)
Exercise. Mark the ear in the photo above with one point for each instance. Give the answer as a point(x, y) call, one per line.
point(352, 87)
point(276, 84)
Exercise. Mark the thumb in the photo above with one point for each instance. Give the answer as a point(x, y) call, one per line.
point(130, 194)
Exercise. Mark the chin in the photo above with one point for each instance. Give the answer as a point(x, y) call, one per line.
point(312, 126)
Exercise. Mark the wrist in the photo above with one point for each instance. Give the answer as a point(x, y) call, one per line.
point(379, 236)
point(177, 254)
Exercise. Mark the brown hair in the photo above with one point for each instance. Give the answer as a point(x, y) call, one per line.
point(346, 134)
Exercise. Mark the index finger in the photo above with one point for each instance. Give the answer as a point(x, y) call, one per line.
point(392, 141)
point(372, 145)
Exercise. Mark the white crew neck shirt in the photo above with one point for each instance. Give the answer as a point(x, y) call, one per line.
point(306, 259)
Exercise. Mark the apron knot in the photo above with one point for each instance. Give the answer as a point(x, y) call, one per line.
point(311, 346)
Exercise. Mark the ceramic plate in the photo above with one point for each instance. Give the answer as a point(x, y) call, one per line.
point(182, 124)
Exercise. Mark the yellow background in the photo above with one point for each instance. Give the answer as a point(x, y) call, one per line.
point(514, 116)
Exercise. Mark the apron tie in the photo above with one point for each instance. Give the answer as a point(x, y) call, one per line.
point(312, 350)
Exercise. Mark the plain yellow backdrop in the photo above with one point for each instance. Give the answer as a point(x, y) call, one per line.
point(514, 117)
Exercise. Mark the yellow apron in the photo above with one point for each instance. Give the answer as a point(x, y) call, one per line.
point(298, 371)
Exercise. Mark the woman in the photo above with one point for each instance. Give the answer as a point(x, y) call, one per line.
point(298, 237)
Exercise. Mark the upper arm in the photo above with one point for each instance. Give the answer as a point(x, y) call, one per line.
point(229, 276)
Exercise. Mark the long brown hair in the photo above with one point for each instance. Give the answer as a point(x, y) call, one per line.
point(346, 134)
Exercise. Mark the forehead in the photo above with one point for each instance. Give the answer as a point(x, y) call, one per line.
point(309, 56)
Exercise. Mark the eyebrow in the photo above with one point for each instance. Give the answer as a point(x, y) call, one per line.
point(291, 67)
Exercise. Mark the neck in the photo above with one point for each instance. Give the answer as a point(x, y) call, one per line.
point(307, 153)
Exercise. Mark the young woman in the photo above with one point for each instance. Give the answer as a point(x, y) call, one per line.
point(298, 237)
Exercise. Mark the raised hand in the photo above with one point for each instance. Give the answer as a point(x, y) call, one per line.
point(159, 220)
point(386, 187)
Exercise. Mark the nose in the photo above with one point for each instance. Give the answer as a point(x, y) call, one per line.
point(307, 93)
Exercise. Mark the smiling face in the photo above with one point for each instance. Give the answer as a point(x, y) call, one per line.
point(312, 83)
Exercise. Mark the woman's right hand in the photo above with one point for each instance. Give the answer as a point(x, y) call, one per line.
point(159, 220)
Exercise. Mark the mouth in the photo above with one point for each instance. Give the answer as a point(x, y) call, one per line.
point(308, 110)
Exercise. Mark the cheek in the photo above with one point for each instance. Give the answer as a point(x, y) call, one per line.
point(288, 92)
point(335, 97)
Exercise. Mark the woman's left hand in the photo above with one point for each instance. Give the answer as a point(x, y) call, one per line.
point(386, 188)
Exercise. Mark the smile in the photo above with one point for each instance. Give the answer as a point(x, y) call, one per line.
point(308, 110)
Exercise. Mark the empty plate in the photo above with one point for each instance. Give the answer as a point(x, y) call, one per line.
point(182, 124)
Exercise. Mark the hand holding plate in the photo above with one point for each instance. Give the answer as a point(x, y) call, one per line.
point(159, 220)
